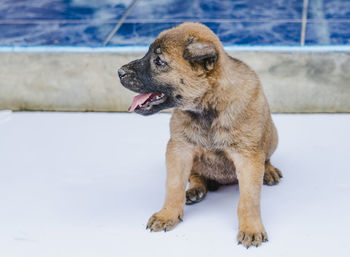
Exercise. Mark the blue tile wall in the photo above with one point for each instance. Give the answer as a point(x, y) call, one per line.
point(330, 9)
point(217, 9)
point(62, 9)
point(243, 33)
point(328, 22)
point(244, 22)
point(32, 34)
point(335, 33)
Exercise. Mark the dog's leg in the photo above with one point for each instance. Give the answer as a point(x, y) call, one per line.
point(272, 175)
point(179, 159)
point(250, 171)
point(197, 189)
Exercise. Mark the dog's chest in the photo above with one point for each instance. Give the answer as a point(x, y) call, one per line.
point(206, 132)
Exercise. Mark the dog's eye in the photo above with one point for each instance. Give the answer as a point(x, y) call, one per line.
point(159, 62)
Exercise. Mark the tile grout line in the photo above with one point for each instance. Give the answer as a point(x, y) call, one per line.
point(304, 22)
point(120, 22)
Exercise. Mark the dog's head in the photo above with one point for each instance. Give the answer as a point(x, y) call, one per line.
point(179, 68)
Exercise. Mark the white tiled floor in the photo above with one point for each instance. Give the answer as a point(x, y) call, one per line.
point(84, 184)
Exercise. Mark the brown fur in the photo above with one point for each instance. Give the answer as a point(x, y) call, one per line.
point(220, 130)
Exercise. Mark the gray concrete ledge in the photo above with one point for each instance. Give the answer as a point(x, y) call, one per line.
point(294, 82)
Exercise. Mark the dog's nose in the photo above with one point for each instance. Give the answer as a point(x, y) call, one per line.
point(121, 73)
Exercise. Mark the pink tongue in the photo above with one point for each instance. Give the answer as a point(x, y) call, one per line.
point(138, 100)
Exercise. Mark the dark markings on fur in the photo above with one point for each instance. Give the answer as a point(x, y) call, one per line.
point(182, 81)
point(212, 185)
point(221, 154)
point(226, 162)
point(219, 167)
point(189, 139)
point(222, 129)
point(204, 118)
point(189, 41)
point(197, 101)
point(140, 79)
point(178, 97)
point(210, 62)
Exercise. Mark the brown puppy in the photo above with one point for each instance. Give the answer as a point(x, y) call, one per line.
point(221, 127)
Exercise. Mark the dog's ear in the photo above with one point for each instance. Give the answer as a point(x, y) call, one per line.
point(202, 53)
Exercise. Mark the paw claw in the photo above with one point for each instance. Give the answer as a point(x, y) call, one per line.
point(248, 239)
point(272, 175)
point(163, 221)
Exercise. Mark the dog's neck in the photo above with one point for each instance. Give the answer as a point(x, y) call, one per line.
point(205, 116)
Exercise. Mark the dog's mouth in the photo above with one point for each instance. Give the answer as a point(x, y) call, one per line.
point(145, 102)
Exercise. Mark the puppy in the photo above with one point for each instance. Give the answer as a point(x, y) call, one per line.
point(221, 126)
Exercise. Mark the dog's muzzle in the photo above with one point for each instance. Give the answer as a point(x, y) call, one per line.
point(121, 73)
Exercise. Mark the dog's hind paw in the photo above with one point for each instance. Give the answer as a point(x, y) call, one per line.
point(272, 175)
point(195, 195)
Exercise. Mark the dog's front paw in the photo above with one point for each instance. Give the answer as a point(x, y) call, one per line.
point(248, 238)
point(163, 220)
